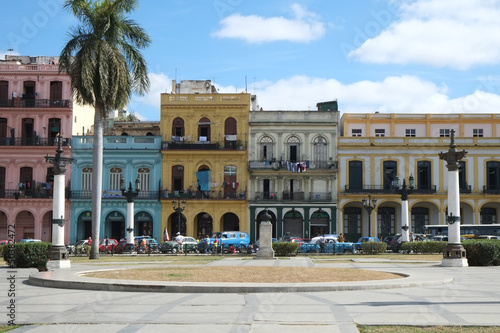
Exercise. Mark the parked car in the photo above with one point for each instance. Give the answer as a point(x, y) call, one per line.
point(111, 244)
point(393, 243)
point(239, 239)
point(255, 246)
point(5, 242)
point(487, 237)
point(29, 240)
point(439, 238)
point(151, 245)
point(73, 248)
point(331, 245)
point(122, 245)
point(189, 245)
point(357, 245)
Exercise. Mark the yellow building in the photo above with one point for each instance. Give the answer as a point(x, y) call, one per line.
point(378, 151)
point(204, 159)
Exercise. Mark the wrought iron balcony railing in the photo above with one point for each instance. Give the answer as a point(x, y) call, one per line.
point(202, 145)
point(34, 103)
point(34, 141)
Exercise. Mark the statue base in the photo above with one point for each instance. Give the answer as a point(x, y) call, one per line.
point(454, 256)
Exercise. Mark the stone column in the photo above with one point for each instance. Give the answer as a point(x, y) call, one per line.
point(265, 238)
point(454, 253)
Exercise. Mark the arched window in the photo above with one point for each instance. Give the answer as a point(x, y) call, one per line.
point(293, 144)
point(143, 175)
point(266, 145)
point(204, 129)
point(115, 175)
point(320, 152)
point(178, 128)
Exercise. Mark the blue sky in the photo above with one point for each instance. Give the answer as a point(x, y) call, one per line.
point(390, 56)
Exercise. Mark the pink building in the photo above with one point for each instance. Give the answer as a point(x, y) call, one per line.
point(35, 106)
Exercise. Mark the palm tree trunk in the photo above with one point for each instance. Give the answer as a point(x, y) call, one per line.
point(97, 179)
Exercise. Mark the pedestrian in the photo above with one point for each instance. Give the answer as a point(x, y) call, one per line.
point(215, 246)
point(322, 244)
point(89, 242)
point(107, 244)
point(179, 239)
point(207, 244)
point(341, 238)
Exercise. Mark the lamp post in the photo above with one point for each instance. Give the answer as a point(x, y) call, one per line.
point(454, 254)
point(178, 207)
point(404, 190)
point(130, 194)
point(58, 253)
point(369, 204)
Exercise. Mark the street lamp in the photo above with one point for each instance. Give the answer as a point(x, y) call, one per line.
point(404, 190)
point(369, 204)
point(179, 207)
point(130, 194)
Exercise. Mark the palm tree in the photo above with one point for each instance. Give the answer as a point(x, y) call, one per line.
point(103, 60)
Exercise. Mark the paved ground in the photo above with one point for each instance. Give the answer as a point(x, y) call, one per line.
point(431, 295)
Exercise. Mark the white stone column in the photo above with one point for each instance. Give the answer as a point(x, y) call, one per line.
point(405, 228)
point(58, 211)
point(453, 207)
point(130, 223)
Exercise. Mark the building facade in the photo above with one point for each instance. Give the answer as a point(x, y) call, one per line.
point(128, 158)
point(204, 159)
point(375, 149)
point(293, 171)
point(35, 110)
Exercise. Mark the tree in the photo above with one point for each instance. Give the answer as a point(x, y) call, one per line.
point(102, 58)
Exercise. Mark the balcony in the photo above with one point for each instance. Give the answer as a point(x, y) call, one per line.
point(320, 196)
point(34, 103)
point(34, 141)
point(203, 195)
point(25, 194)
point(465, 189)
point(203, 145)
point(490, 190)
point(419, 189)
point(271, 196)
point(292, 166)
point(293, 196)
point(111, 194)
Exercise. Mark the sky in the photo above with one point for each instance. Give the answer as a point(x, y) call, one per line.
point(387, 56)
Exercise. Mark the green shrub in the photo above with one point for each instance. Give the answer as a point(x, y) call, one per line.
point(482, 252)
point(373, 247)
point(285, 249)
point(82, 250)
point(423, 247)
point(33, 254)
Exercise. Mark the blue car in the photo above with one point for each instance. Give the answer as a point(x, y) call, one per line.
point(331, 245)
point(357, 245)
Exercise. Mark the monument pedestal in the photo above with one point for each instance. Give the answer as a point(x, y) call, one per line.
point(266, 241)
point(58, 257)
point(454, 256)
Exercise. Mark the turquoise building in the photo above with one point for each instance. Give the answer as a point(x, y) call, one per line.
point(124, 157)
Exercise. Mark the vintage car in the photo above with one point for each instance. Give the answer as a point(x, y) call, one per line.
point(189, 245)
point(330, 245)
point(357, 245)
point(239, 239)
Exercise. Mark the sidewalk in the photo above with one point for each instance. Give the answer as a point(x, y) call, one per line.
point(430, 295)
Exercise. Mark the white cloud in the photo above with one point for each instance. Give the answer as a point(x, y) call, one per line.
point(160, 83)
point(395, 94)
point(442, 33)
point(303, 27)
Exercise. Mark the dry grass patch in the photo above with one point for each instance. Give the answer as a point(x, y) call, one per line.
point(246, 274)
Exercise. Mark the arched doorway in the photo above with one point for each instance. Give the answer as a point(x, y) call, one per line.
point(84, 226)
point(293, 224)
point(25, 225)
point(178, 224)
point(231, 222)
point(319, 223)
point(47, 227)
point(143, 224)
point(204, 225)
point(115, 226)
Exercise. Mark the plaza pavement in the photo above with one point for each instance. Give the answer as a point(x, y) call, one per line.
point(429, 295)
